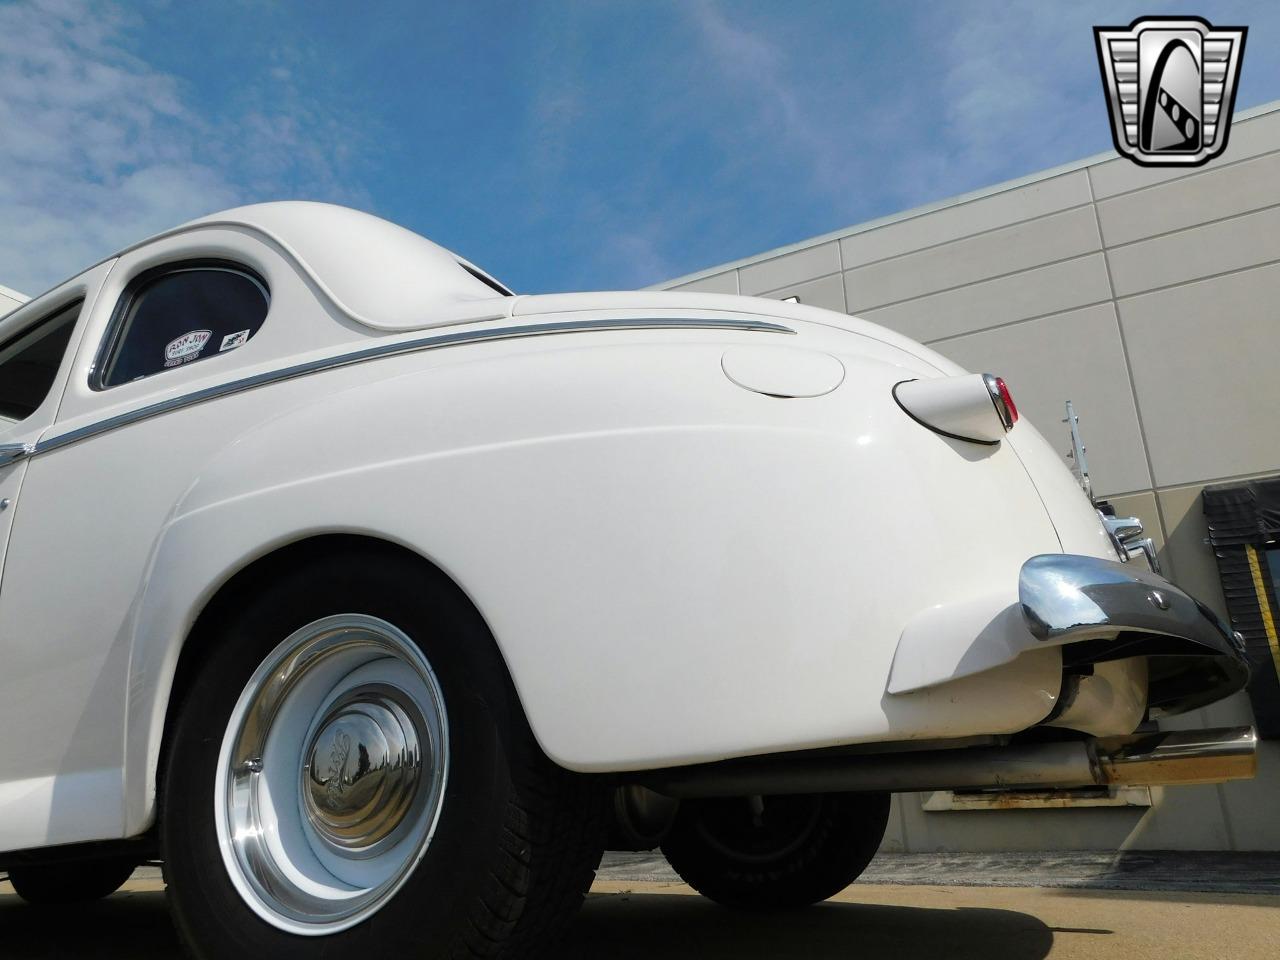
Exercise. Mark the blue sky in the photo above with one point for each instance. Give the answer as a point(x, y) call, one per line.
point(561, 145)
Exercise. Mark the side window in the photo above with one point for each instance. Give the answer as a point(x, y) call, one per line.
point(29, 362)
point(179, 314)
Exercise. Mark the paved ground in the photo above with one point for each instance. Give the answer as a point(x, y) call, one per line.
point(633, 919)
point(1100, 870)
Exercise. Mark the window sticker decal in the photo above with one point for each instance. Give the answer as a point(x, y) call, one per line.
point(186, 347)
point(233, 340)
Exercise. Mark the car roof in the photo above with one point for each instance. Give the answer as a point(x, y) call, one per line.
point(379, 274)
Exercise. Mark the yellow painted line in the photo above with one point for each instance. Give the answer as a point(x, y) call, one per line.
point(1268, 621)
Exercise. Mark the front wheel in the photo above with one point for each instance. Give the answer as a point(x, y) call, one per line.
point(776, 852)
point(351, 774)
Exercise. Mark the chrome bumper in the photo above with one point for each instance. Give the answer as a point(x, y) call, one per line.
point(1100, 610)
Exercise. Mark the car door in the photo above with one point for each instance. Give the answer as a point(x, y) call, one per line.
point(30, 355)
point(96, 492)
point(37, 345)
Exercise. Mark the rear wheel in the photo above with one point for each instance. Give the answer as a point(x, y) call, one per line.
point(62, 883)
point(351, 772)
point(777, 852)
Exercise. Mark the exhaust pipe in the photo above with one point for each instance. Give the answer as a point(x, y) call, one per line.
point(1187, 756)
point(1175, 757)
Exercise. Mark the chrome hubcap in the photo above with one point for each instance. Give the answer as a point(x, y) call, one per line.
point(362, 770)
point(332, 774)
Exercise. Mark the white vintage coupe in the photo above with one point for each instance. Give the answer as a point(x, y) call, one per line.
point(375, 600)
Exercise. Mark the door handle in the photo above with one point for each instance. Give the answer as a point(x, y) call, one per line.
point(12, 452)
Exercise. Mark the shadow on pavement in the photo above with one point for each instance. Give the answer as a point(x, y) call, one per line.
point(125, 925)
point(613, 926)
point(674, 927)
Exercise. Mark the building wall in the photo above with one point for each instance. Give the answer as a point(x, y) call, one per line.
point(1151, 298)
point(9, 299)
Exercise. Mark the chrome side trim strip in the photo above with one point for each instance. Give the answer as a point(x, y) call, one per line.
point(13, 452)
point(381, 351)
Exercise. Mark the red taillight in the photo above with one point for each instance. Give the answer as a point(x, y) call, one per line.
point(1007, 399)
point(1002, 399)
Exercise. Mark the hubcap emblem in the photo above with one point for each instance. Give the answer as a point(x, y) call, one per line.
point(362, 770)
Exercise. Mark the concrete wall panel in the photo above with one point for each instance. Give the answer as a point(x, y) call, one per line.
point(1098, 828)
point(827, 292)
point(1212, 194)
point(1188, 561)
point(990, 303)
point(1233, 244)
point(790, 269)
point(1203, 357)
point(1019, 247)
point(967, 218)
point(726, 282)
point(1250, 805)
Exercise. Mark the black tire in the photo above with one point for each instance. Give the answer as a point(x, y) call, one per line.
point(518, 838)
point(783, 853)
point(63, 883)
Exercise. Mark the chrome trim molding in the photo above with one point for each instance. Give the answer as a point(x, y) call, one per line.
point(13, 452)
point(381, 351)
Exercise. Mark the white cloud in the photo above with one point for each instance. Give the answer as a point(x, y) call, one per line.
point(982, 88)
point(633, 248)
point(1022, 85)
point(784, 112)
point(98, 149)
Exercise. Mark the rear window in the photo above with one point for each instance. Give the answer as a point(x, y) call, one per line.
point(182, 314)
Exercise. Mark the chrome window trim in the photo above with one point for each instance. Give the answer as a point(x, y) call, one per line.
point(435, 342)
